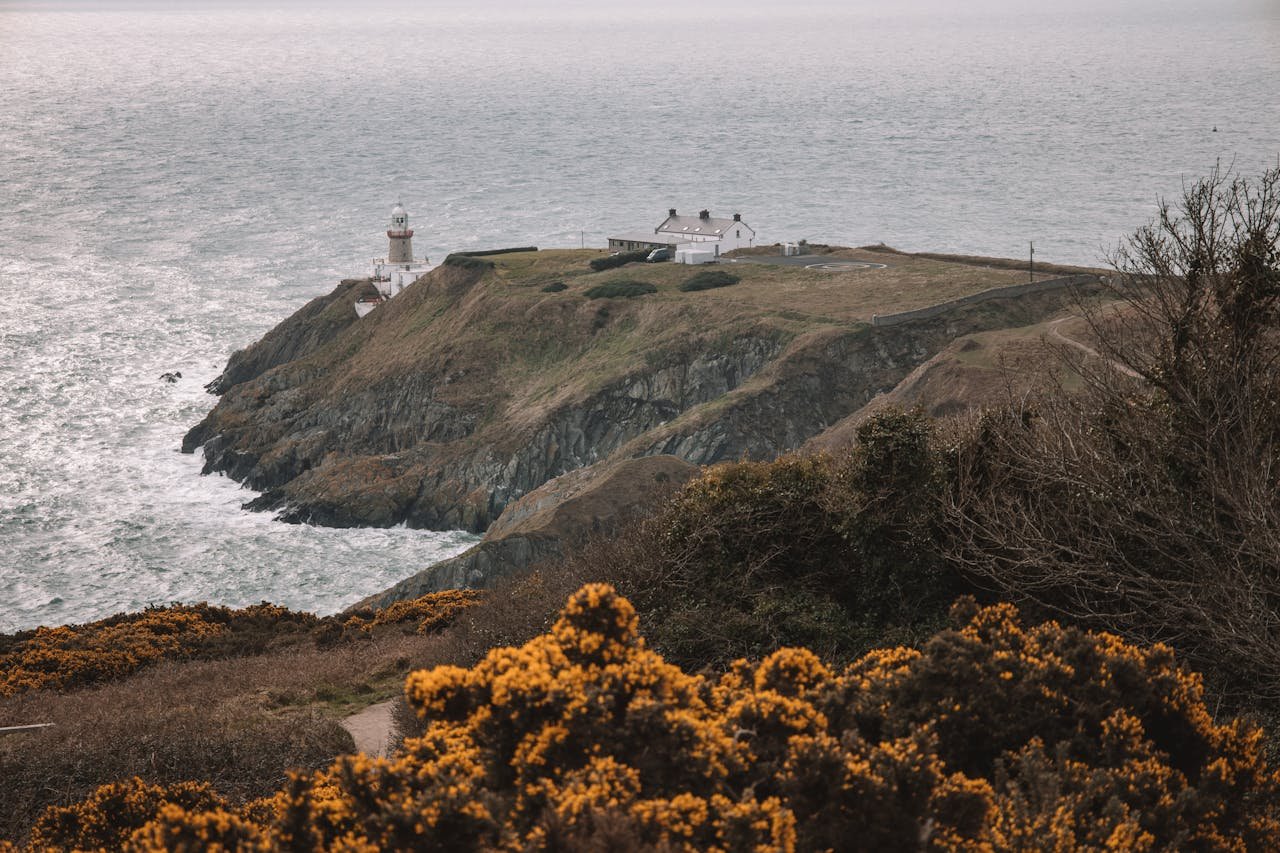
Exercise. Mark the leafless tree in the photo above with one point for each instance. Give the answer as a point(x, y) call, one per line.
point(1149, 502)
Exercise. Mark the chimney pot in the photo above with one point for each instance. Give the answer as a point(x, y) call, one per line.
point(737, 217)
point(705, 214)
point(671, 211)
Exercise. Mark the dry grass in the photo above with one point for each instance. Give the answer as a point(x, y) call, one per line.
point(554, 355)
point(789, 292)
point(240, 724)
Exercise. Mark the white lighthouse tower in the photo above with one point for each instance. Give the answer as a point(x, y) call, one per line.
point(401, 236)
point(399, 268)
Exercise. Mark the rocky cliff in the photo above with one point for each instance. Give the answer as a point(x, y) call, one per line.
point(479, 383)
point(558, 514)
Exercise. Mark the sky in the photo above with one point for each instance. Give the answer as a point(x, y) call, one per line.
point(682, 9)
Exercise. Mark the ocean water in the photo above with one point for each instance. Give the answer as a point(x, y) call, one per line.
point(177, 178)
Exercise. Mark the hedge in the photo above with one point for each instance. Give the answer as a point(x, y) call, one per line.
point(623, 287)
point(708, 279)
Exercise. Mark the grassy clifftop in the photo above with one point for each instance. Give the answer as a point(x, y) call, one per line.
point(490, 376)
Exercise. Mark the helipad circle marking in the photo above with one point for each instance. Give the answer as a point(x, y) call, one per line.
point(844, 266)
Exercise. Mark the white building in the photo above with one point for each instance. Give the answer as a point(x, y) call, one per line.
point(730, 234)
point(723, 235)
point(399, 268)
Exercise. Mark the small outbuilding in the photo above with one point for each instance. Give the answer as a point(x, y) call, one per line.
point(696, 253)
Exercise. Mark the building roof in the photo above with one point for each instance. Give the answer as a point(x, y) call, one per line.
point(644, 237)
point(696, 225)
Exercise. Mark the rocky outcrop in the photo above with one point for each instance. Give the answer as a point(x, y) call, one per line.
point(370, 430)
point(822, 380)
point(538, 526)
point(446, 405)
point(306, 330)
point(479, 399)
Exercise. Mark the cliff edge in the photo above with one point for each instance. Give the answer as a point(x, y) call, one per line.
point(490, 377)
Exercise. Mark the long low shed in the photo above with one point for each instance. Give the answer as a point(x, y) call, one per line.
point(632, 241)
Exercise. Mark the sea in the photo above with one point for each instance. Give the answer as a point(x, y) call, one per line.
point(176, 178)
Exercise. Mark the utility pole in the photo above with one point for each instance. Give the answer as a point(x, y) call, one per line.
point(1031, 264)
point(583, 235)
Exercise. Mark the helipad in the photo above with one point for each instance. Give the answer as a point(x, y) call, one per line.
point(844, 266)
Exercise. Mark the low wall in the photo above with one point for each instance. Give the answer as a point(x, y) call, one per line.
point(1007, 292)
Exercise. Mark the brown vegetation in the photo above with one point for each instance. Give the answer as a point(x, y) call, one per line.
point(237, 708)
point(77, 655)
point(1149, 502)
point(993, 735)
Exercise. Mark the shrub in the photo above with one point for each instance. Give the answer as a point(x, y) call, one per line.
point(620, 287)
point(479, 253)
point(610, 262)
point(72, 656)
point(1149, 503)
point(77, 655)
point(467, 262)
point(555, 287)
point(992, 736)
point(429, 613)
point(708, 279)
point(107, 819)
point(836, 553)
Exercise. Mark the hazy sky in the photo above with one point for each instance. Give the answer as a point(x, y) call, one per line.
point(680, 9)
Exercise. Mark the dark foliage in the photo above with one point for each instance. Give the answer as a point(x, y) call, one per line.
point(480, 253)
point(708, 279)
point(620, 288)
point(610, 262)
point(1149, 503)
point(467, 262)
point(835, 553)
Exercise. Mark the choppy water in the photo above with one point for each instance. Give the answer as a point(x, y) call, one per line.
point(172, 183)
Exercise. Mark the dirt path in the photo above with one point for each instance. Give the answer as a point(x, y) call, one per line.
point(1058, 336)
point(371, 728)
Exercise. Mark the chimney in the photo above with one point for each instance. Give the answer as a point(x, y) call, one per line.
point(705, 214)
point(671, 211)
point(737, 217)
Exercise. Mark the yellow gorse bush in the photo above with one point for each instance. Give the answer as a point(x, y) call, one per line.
point(77, 655)
point(72, 655)
point(431, 612)
point(992, 736)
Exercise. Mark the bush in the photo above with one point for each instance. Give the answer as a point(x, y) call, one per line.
point(708, 279)
point(479, 253)
point(72, 656)
point(107, 819)
point(610, 262)
point(992, 736)
point(1149, 502)
point(429, 613)
point(78, 655)
point(620, 287)
point(555, 287)
point(837, 553)
point(467, 262)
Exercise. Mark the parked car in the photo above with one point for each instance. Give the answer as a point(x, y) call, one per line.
point(660, 255)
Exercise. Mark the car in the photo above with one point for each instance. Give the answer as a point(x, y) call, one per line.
point(660, 255)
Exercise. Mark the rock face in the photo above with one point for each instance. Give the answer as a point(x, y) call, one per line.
point(471, 389)
point(309, 328)
point(538, 526)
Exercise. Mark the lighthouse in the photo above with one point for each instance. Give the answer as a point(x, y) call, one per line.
point(401, 237)
point(399, 268)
